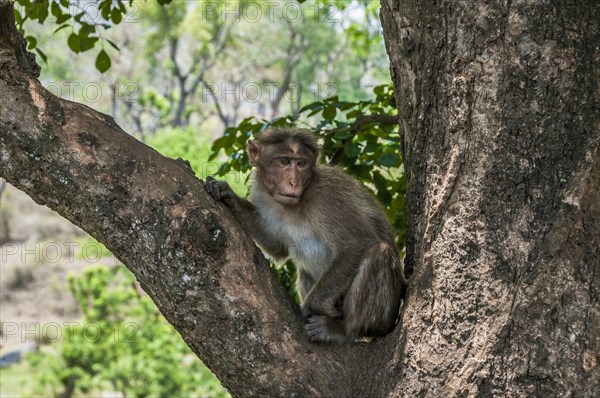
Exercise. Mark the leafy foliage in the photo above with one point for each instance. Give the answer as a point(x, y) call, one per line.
point(123, 344)
point(186, 143)
point(85, 19)
point(194, 147)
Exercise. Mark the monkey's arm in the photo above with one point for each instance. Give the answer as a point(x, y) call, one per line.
point(247, 215)
point(220, 190)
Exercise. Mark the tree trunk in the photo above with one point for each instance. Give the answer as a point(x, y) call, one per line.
point(499, 110)
point(499, 107)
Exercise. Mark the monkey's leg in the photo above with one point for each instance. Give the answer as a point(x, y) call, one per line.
point(371, 304)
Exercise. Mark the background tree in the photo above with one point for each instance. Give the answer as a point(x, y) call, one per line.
point(189, 60)
point(499, 108)
point(207, 64)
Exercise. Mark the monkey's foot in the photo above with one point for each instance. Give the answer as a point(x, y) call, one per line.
point(323, 329)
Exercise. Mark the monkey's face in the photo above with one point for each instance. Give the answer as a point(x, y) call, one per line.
point(286, 177)
point(284, 168)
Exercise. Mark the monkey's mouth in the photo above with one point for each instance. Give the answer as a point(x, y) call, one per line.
point(287, 198)
point(289, 195)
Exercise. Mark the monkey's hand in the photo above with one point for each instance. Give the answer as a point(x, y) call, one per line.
point(312, 307)
point(220, 190)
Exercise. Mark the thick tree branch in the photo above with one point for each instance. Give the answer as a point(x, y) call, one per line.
point(187, 251)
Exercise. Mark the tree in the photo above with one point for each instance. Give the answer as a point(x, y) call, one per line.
point(498, 106)
point(212, 36)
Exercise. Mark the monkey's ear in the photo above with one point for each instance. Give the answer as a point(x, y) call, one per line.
point(253, 152)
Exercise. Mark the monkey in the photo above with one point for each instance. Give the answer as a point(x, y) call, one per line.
point(349, 274)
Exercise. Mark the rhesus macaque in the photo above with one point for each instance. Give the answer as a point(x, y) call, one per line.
point(350, 277)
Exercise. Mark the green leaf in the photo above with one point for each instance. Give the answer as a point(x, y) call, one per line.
point(42, 55)
point(87, 43)
point(329, 112)
point(116, 16)
point(375, 108)
point(73, 42)
point(353, 114)
point(371, 147)
point(313, 106)
point(61, 27)
point(343, 105)
point(314, 112)
point(381, 184)
point(113, 44)
point(389, 160)
point(40, 11)
point(280, 121)
point(78, 17)
point(62, 19)
point(105, 9)
point(18, 18)
point(56, 10)
point(102, 61)
point(342, 135)
point(392, 102)
point(86, 30)
point(351, 150)
point(224, 142)
point(224, 168)
point(32, 42)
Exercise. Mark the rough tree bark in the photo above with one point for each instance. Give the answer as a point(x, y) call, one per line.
point(499, 108)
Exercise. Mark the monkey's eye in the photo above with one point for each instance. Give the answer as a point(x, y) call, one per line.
point(302, 163)
point(284, 161)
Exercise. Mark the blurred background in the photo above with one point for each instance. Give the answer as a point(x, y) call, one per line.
point(178, 77)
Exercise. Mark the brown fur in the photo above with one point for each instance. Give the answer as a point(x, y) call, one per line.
point(350, 276)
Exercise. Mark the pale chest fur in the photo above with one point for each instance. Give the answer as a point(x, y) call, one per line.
point(309, 251)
